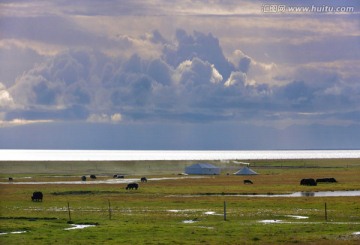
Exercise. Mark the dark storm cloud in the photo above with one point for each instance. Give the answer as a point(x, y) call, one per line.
point(135, 91)
point(198, 45)
point(74, 112)
point(244, 64)
point(10, 67)
point(214, 75)
point(192, 82)
point(160, 71)
point(61, 88)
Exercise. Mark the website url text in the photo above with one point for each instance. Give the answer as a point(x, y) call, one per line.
point(277, 8)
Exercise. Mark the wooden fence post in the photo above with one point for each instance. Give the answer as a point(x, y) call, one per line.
point(69, 211)
point(325, 212)
point(109, 209)
point(224, 210)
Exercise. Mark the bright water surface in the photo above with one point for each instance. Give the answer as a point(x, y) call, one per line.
point(355, 193)
point(312, 194)
point(127, 155)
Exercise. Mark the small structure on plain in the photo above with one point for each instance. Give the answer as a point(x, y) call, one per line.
point(202, 169)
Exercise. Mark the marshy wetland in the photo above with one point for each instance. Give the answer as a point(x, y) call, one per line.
point(178, 209)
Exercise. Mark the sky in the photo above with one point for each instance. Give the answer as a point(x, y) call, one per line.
point(179, 75)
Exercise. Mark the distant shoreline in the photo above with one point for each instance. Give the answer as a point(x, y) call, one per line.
point(171, 155)
point(155, 167)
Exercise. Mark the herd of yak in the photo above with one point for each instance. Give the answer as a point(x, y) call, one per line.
point(38, 196)
point(310, 182)
point(313, 182)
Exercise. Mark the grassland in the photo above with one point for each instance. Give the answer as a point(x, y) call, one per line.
point(178, 209)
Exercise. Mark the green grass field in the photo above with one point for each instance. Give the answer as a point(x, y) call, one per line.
point(178, 209)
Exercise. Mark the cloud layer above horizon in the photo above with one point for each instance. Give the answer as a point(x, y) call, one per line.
point(136, 62)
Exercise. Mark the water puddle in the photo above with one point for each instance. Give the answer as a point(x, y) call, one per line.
point(193, 211)
point(189, 221)
point(326, 194)
point(92, 182)
point(295, 194)
point(310, 194)
point(357, 233)
point(174, 211)
point(275, 221)
point(270, 221)
point(297, 217)
point(79, 226)
point(183, 210)
point(14, 232)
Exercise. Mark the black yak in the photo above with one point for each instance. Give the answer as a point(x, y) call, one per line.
point(310, 182)
point(326, 180)
point(37, 196)
point(132, 186)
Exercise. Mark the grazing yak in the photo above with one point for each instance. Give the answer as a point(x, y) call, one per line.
point(11, 179)
point(93, 176)
point(118, 176)
point(37, 196)
point(83, 178)
point(132, 186)
point(310, 182)
point(247, 181)
point(143, 179)
point(326, 180)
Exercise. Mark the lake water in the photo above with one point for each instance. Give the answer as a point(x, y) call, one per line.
point(128, 155)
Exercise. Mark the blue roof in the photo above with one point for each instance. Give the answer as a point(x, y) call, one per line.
point(202, 165)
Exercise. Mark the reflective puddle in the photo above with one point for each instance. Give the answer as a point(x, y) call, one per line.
point(92, 182)
point(76, 227)
point(297, 216)
point(189, 221)
point(295, 194)
point(270, 221)
point(278, 221)
point(309, 194)
point(14, 232)
point(326, 194)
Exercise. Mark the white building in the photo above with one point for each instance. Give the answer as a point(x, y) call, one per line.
point(245, 171)
point(202, 168)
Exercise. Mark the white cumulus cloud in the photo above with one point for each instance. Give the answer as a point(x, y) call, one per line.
point(105, 118)
point(6, 100)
